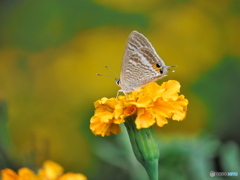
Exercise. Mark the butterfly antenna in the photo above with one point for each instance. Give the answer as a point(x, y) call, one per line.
point(111, 71)
point(171, 67)
point(106, 76)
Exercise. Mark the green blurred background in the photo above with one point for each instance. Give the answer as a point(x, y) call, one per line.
point(51, 50)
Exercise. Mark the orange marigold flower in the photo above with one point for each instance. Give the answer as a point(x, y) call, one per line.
point(73, 176)
point(108, 114)
point(150, 104)
point(50, 171)
point(8, 174)
point(26, 174)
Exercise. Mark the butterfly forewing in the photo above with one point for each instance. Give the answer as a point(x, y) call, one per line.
point(138, 63)
point(135, 41)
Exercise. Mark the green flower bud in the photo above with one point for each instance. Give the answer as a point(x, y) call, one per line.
point(145, 147)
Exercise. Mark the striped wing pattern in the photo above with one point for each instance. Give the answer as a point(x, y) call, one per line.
point(138, 63)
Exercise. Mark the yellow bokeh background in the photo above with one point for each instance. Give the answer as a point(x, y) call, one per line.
point(49, 61)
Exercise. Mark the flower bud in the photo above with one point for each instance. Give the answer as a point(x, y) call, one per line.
point(145, 146)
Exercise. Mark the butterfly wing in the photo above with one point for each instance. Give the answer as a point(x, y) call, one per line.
point(139, 63)
point(135, 41)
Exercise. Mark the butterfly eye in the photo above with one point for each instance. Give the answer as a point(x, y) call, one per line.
point(118, 81)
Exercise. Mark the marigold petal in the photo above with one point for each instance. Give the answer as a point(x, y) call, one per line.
point(183, 102)
point(172, 88)
point(163, 108)
point(100, 102)
point(42, 174)
point(114, 128)
point(180, 109)
point(52, 170)
point(96, 126)
point(100, 128)
point(161, 120)
point(153, 90)
point(105, 116)
point(94, 119)
point(118, 110)
point(26, 174)
point(144, 119)
point(143, 102)
point(8, 174)
point(132, 96)
point(120, 120)
point(178, 116)
point(130, 110)
point(73, 176)
point(111, 102)
point(105, 104)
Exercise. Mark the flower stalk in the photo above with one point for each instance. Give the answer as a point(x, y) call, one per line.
point(145, 146)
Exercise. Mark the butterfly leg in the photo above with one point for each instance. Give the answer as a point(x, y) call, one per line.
point(122, 92)
point(118, 93)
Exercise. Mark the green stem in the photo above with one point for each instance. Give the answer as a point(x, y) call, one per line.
point(145, 147)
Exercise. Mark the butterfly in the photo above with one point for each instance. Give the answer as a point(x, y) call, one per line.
point(140, 65)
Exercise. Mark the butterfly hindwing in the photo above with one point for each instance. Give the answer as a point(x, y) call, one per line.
point(139, 69)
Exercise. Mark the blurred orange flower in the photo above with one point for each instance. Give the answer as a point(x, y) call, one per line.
point(150, 104)
point(50, 171)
